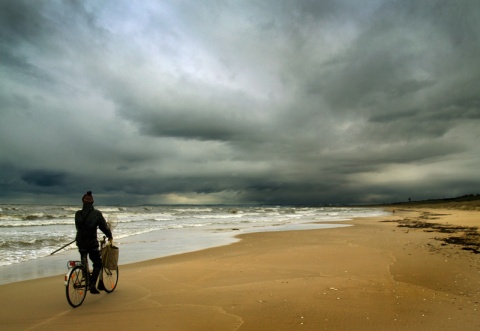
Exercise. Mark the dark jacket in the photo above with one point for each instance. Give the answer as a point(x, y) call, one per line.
point(87, 221)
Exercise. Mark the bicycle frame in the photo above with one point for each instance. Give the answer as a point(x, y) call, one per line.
point(82, 263)
point(77, 279)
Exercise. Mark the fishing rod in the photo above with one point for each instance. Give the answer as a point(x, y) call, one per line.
point(63, 247)
point(112, 223)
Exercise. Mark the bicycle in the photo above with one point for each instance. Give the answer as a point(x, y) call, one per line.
point(77, 279)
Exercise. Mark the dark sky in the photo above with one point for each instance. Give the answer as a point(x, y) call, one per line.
point(272, 102)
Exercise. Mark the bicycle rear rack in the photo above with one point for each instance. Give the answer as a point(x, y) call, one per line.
point(71, 264)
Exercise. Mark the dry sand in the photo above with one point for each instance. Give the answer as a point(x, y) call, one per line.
point(389, 273)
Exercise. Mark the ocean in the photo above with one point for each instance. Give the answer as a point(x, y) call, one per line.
point(30, 233)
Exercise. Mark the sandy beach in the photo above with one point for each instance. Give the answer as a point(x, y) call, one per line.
point(415, 269)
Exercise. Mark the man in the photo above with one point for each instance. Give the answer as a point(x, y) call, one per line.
point(87, 221)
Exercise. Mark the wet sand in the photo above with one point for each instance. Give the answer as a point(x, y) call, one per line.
point(396, 272)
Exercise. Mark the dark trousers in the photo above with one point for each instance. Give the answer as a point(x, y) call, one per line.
point(94, 255)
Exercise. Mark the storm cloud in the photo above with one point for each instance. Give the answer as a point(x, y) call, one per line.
point(270, 102)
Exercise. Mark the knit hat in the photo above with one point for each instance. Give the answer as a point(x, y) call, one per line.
point(87, 198)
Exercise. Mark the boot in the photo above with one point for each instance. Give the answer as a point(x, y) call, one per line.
point(101, 286)
point(93, 281)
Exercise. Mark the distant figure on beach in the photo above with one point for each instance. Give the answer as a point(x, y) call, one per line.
point(87, 220)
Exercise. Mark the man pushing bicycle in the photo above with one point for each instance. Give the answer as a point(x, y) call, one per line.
point(87, 220)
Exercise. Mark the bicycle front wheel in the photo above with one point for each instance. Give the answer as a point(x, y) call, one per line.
point(110, 279)
point(76, 288)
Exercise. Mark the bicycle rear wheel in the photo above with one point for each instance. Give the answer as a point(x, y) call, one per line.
point(76, 288)
point(110, 279)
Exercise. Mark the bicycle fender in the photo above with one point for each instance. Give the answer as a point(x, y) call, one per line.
point(67, 276)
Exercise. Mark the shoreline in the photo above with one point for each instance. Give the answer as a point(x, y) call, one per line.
point(375, 275)
point(145, 247)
